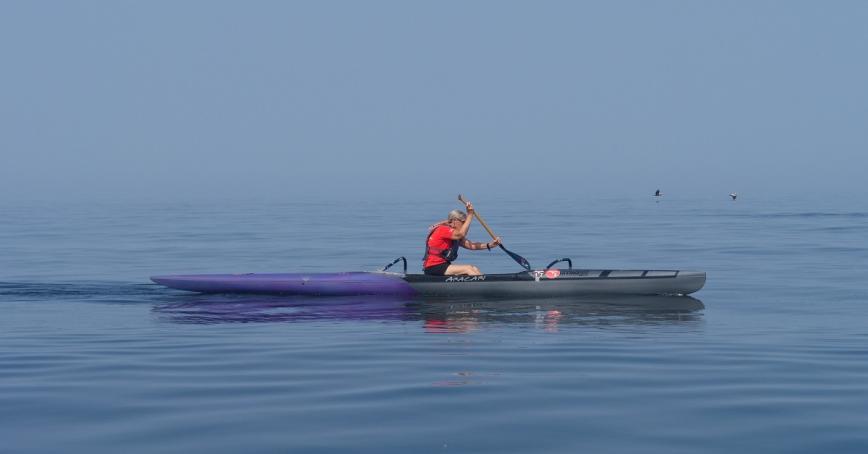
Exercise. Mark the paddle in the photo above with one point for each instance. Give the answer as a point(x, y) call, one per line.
point(518, 259)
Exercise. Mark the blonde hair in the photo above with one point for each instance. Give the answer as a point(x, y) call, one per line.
point(457, 214)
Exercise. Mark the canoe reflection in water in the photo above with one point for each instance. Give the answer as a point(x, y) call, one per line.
point(437, 315)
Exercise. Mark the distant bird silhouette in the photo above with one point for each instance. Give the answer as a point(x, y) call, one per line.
point(733, 195)
point(658, 193)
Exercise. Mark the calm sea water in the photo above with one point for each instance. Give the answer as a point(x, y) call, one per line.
point(771, 356)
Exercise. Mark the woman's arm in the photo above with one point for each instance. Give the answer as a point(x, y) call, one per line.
point(461, 232)
point(467, 244)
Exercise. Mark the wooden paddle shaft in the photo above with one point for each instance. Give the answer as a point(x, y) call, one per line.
point(478, 217)
point(519, 259)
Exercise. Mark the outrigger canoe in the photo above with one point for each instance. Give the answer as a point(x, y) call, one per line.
point(548, 282)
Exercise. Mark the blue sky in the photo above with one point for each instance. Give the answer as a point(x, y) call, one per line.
point(136, 99)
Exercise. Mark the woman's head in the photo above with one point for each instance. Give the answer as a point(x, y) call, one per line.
point(456, 215)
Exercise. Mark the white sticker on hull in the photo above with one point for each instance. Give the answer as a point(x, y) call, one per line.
point(549, 274)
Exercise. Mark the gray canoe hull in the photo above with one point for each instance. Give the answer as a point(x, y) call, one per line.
point(524, 284)
point(562, 283)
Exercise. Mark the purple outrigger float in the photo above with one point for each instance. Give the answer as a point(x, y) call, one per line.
point(313, 284)
point(548, 282)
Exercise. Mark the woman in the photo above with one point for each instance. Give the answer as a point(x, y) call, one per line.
point(441, 247)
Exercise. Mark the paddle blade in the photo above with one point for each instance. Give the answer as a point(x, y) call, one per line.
point(518, 259)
